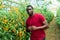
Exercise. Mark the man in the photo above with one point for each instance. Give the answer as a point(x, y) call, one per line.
point(36, 24)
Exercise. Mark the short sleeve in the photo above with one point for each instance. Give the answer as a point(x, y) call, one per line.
point(41, 18)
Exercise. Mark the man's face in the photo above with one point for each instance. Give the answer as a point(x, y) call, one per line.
point(30, 11)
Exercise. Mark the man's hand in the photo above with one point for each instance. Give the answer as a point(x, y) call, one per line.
point(32, 28)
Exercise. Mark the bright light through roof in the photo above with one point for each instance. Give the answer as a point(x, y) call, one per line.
point(52, 7)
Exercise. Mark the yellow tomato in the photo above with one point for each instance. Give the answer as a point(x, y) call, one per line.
point(22, 23)
point(16, 25)
point(14, 30)
point(20, 33)
point(5, 21)
point(5, 28)
point(1, 6)
point(16, 9)
point(24, 30)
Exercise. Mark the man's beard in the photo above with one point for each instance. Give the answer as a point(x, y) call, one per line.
point(30, 14)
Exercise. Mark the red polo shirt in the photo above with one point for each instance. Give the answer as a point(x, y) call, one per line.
point(36, 20)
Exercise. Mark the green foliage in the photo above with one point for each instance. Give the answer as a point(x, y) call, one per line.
point(48, 14)
point(59, 0)
point(12, 22)
point(58, 17)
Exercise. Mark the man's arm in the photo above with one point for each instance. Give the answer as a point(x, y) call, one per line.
point(45, 26)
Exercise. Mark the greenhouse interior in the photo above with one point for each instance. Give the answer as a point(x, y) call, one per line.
point(13, 16)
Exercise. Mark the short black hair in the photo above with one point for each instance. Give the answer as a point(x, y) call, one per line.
point(29, 6)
